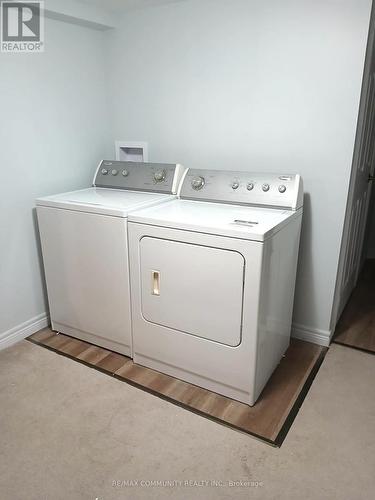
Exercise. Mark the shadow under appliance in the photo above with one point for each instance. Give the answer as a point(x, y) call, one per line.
point(213, 277)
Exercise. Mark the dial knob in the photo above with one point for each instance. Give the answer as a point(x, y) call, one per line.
point(235, 185)
point(282, 188)
point(266, 187)
point(104, 171)
point(159, 175)
point(114, 172)
point(197, 183)
point(125, 173)
point(250, 186)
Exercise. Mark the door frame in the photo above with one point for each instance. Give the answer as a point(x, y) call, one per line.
point(340, 302)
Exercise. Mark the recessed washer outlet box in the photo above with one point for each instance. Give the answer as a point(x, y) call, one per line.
point(131, 151)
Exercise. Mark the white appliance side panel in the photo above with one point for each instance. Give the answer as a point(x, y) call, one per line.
point(86, 266)
point(217, 367)
point(192, 289)
point(276, 299)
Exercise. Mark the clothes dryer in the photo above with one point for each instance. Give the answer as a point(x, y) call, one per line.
point(212, 278)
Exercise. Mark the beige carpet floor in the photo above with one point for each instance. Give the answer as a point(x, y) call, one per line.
point(71, 432)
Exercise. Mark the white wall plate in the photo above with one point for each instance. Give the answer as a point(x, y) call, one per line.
point(131, 151)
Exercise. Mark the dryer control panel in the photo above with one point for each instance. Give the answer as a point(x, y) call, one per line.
point(135, 176)
point(243, 188)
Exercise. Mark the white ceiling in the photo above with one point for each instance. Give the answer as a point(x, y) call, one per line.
point(124, 5)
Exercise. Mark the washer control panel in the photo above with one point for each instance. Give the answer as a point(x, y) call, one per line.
point(243, 188)
point(134, 176)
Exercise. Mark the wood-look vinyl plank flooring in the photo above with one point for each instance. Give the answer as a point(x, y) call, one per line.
point(269, 419)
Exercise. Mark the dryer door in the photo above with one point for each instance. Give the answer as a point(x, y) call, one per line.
point(193, 289)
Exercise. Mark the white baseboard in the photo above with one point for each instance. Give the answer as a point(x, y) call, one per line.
point(314, 335)
point(23, 330)
point(19, 332)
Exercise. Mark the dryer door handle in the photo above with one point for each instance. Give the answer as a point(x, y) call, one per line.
point(155, 282)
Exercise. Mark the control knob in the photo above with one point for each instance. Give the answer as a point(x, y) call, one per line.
point(197, 183)
point(104, 171)
point(125, 173)
point(250, 186)
point(235, 185)
point(159, 176)
point(282, 188)
point(114, 172)
point(266, 187)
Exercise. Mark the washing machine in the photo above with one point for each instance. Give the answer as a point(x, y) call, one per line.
point(212, 279)
point(85, 249)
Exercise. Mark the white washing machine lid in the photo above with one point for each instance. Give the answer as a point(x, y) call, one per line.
point(115, 202)
point(236, 221)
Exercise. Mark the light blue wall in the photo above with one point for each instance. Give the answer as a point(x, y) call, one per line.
point(252, 85)
point(54, 129)
point(240, 84)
